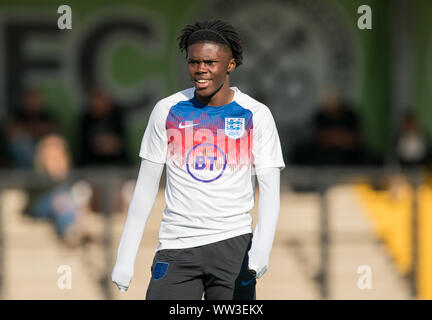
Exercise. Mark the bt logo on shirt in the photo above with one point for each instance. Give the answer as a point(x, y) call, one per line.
point(202, 162)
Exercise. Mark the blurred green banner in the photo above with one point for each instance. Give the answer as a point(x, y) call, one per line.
point(293, 51)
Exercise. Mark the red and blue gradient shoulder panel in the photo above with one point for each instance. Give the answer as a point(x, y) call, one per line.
point(209, 138)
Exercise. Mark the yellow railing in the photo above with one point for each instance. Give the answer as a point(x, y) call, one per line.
point(391, 214)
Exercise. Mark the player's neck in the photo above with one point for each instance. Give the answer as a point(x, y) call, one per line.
point(220, 98)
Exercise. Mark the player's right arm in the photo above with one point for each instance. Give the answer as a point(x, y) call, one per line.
point(153, 153)
point(142, 202)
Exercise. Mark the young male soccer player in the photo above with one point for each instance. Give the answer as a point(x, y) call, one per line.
point(212, 138)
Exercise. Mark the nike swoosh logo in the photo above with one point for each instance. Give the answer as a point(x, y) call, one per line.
point(181, 126)
point(245, 283)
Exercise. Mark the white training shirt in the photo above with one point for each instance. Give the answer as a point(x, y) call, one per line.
point(210, 154)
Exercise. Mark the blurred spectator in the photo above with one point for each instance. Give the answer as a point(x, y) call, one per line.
point(102, 132)
point(57, 199)
point(102, 141)
point(27, 126)
point(412, 147)
point(336, 135)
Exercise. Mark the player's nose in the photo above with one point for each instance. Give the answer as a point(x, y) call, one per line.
point(201, 68)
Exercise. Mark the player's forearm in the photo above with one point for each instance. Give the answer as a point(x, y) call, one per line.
point(268, 212)
point(139, 210)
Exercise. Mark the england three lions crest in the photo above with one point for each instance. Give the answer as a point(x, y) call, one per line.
point(234, 127)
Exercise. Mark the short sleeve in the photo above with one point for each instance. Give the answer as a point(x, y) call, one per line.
point(154, 142)
point(266, 147)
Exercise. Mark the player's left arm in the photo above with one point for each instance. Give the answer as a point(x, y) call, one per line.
point(267, 162)
point(268, 213)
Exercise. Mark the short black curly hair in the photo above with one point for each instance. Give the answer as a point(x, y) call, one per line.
point(217, 31)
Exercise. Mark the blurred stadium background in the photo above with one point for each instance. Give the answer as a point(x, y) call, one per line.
point(355, 213)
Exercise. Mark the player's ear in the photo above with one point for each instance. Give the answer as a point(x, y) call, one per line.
point(231, 65)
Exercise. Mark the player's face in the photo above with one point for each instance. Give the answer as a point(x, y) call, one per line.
point(209, 64)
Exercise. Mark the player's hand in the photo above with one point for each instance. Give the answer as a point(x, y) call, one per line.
point(121, 279)
point(258, 270)
point(253, 273)
point(258, 263)
point(122, 288)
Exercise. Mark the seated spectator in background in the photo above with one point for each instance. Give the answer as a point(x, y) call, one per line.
point(27, 126)
point(56, 199)
point(336, 136)
point(103, 141)
point(102, 132)
point(412, 147)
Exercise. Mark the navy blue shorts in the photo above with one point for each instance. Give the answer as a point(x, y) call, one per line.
point(218, 270)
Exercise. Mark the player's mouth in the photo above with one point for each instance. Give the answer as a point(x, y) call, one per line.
point(202, 83)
